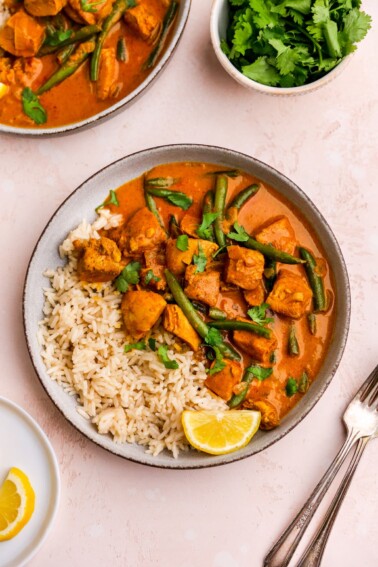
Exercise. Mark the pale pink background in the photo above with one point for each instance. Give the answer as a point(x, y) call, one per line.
point(117, 513)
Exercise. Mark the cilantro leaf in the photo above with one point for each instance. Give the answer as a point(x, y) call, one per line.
point(111, 200)
point(162, 353)
point(204, 230)
point(57, 37)
point(179, 200)
point(240, 234)
point(87, 6)
point(150, 276)
point(200, 259)
point(262, 72)
point(129, 275)
point(141, 345)
point(258, 314)
point(219, 362)
point(291, 387)
point(32, 107)
point(260, 372)
point(152, 344)
point(214, 337)
point(182, 242)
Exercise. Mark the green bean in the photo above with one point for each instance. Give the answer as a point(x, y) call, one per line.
point(80, 35)
point(293, 346)
point(232, 325)
point(217, 314)
point(244, 196)
point(69, 67)
point(219, 205)
point(315, 281)
point(119, 8)
point(237, 399)
point(271, 252)
point(174, 228)
point(193, 317)
point(199, 307)
point(270, 274)
point(166, 26)
point(311, 320)
point(65, 53)
point(121, 50)
point(161, 182)
point(304, 383)
point(228, 172)
point(150, 202)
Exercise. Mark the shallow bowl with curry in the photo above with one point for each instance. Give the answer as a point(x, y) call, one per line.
point(179, 282)
point(67, 64)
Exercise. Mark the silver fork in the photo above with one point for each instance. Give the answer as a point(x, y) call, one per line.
point(361, 421)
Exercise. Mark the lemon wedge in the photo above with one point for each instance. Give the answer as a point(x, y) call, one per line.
point(4, 89)
point(220, 432)
point(17, 500)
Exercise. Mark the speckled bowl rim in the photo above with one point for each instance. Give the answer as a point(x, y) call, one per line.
point(116, 108)
point(225, 157)
point(250, 83)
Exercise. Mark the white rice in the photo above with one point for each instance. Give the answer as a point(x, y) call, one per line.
point(4, 14)
point(131, 396)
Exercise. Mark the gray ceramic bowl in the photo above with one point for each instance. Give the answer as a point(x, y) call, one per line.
point(81, 204)
point(181, 19)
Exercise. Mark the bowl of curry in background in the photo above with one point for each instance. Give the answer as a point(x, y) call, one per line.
point(277, 195)
point(68, 64)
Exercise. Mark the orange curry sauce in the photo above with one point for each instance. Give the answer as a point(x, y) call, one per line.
point(265, 205)
point(75, 98)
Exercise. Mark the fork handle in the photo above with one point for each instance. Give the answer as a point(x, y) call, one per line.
point(314, 553)
point(284, 548)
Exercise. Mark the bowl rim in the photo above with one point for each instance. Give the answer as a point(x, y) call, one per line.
point(146, 459)
point(250, 83)
point(120, 105)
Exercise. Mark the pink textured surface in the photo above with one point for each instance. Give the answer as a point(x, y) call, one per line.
point(117, 513)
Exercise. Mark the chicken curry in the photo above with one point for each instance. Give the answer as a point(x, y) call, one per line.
point(228, 266)
point(62, 61)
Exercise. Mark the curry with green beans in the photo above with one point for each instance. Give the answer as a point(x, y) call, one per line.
point(62, 61)
point(229, 267)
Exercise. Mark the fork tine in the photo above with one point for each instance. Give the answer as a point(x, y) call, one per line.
point(372, 396)
point(368, 385)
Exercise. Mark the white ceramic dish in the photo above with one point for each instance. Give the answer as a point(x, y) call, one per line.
point(23, 444)
point(81, 204)
point(179, 26)
point(218, 28)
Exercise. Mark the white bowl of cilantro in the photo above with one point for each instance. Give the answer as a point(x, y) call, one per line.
point(286, 47)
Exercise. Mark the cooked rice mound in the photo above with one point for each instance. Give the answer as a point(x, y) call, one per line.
point(131, 396)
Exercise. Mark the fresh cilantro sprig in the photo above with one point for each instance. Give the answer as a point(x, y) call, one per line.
point(111, 200)
point(204, 230)
point(129, 275)
point(289, 43)
point(141, 345)
point(182, 242)
point(150, 277)
point(87, 6)
point(258, 314)
point(169, 363)
point(200, 259)
point(57, 37)
point(32, 107)
point(239, 234)
point(291, 387)
point(219, 363)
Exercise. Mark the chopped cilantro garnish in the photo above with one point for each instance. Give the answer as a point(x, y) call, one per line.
point(164, 358)
point(258, 314)
point(219, 363)
point(32, 107)
point(260, 372)
point(291, 387)
point(182, 242)
point(240, 234)
point(111, 200)
point(150, 276)
point(129, 275)
point(141, 345)
point(204, 230)
point(152, 343)
point(200, 259)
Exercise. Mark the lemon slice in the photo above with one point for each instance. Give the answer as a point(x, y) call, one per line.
point(16, 503)
point(220, 432)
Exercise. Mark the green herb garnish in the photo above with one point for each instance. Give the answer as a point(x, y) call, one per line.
point(303, 384)
point(111, 200)
point(291, 387)
point(150, 276)
point(260, 372)
point(219, 362)
point(200, 260)
point(57, 37)
point(32, 107)
point(164, 358)
point(161, 182)
point(90, 6)
point(141, 345)
point(240, 234)
point(258, 314)
point(213, 337)
point(152, 343)
point(129, 275)
point(182, 242)
point(203, 230)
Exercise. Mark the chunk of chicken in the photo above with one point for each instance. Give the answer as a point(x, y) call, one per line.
point(189, 225)
point(155, 261)
point(142, 20)
point(41, 8)
point(222, 383)
point(177, 261)
point(202, 286)
point(279, 234)
point(255, 296)
point(140, 312)
point(99, 259)
point(175, 322)
point(290, 295)
point(244, 267)
point(142, 232)
point(108, 85)
point(259, 348)
point(22, 35)
point(100, 11)
point(269, 414)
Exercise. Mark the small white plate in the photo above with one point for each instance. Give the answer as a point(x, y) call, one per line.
point(23, 444)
